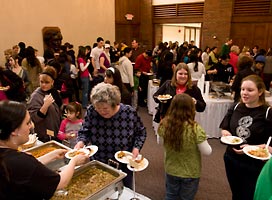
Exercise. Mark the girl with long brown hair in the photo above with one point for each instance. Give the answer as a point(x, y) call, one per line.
point(184, 142)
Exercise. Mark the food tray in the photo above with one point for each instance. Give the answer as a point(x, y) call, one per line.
point(108, 189)
point(55, 165)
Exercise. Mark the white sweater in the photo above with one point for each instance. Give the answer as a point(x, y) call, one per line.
point(126, 70)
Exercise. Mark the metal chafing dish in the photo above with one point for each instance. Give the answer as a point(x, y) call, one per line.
point(220, 88)
point(105, 191)
point(55, 165)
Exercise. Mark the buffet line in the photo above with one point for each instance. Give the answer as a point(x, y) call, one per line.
point(92, 181)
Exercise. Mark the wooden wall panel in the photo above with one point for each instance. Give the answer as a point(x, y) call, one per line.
point(250, 34)
point(126, 32)
point(123, 7)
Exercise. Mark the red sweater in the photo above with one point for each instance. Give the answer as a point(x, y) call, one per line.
point(143, 63)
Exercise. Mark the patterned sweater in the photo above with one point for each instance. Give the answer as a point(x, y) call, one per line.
point(123, 131)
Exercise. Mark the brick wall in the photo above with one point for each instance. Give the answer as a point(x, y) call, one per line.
point(216, 22)
point(146, 27)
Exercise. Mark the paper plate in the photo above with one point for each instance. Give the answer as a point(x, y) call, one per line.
point(74, 152)
point(123, 159)
point(92, 149)
point(248, 150)
point(164, 97)
point(231, 140)
point(144, 164)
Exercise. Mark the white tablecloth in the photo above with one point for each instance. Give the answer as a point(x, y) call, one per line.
point(151, 104)
point(211, 118)
point(128, 194)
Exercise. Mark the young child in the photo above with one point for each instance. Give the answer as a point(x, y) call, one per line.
point(184, 142)
point(137, 74)
point(70, 126)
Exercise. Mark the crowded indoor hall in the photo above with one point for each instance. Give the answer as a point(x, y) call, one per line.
point(136, 100)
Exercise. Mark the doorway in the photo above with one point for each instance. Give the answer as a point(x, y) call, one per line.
point(182, 32)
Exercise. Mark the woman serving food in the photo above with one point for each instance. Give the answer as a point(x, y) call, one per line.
point(22, 175)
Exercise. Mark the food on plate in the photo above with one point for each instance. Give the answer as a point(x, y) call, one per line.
point(137, 163)
point(77, 152)
point(235, 140)
point(86, 184)
point(89, 149)
point(164, 96)
point(121, 154)
point(3, 88)
point(260, 152)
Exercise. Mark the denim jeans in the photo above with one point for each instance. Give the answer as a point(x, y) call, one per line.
point(180, 188)
point(85, 91)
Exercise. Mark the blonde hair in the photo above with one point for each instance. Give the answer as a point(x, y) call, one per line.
point(235, 49)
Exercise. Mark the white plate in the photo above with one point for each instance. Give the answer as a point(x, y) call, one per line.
point(92, 149)
point(163, 98)
point(143, 166)
point(149, 74)
point(85, 151)
point(246, 150)
point(230, 140)
point(123, 159)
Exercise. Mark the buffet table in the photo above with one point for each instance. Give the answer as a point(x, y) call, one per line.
point(128, 194)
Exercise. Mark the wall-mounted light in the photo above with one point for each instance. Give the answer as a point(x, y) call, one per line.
point(214, 37)
point(129, 16)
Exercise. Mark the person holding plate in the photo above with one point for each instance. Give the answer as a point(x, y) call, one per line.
point(22, 175)
point(181, 82)
point(112, 126)
point(251, 120)
point(184, 142)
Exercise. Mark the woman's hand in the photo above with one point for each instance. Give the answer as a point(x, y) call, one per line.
point(58, 153)
point(238, 151)
point(194, 100)
point(79, 145)
point(48, 100)
point(225, 133)
point(53, 155)
point(135, 153)
point(80, 159)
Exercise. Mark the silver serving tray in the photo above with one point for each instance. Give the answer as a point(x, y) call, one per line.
point(220, 88)
point(56, 164)
point(107, 190)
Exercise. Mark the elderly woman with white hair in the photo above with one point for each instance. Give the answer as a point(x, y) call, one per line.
point(112, 126)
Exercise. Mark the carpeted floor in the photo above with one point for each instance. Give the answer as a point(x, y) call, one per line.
point(150, 182)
